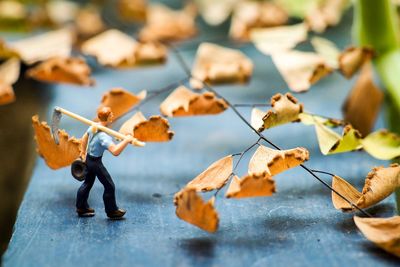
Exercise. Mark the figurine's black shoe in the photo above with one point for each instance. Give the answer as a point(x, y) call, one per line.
point(116, 214)
point(89, 212)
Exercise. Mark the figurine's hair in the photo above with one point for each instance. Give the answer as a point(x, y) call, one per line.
point(104, 113)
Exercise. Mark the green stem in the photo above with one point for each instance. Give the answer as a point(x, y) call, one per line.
point(374, 25)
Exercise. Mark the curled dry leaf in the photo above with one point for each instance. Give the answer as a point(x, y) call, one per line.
point(55, 156)
point(351, 59)
point(191, 208)
point(252, 185)
point(62, 70)
point(9, 73)
point(256, 119)
point(278, 39)
point(132, 10)
point(272, 161)
point(382, 145)
point(215, 176)
point(156, 129)
point(379, 184)
point(250, 14)
point(127, 53)
point(285, 109)
point(183, 102)
point(384, 232)
point(165, 24)
point(310, 119)
point(217, 64)
point(44, 46)
point(363, 103)
point(300, 70)
point(326, 49)
point(327, 13)
point(121, 101)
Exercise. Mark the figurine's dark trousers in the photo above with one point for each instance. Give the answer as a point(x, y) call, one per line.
point(96, 168)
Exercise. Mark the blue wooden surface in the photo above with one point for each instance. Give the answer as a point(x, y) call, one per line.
point(298, 226)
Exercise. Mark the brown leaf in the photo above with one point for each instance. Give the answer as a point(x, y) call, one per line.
point(121, 101)
point(62, 70)
point(217, 64)
point(183, 102)
point(285, 109)
point(379, 184)
point(252, 185)
point(384, 232)
point(250, 14)
point(165, 24)
point(44, 46)
point(55, 156)
point(273, 162)
point(156, 129)
point(351, 59)
point(132, 10)
point(9, 73)
point(328, 13)
point(363, 103)
point(214, 177)
point(191, 208)
point(300, 70)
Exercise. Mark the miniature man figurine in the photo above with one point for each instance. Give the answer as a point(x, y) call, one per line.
point(94, 143)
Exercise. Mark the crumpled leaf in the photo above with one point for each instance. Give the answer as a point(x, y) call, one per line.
point(121, 101)
point(62, 70)
point(363, 103)
point(127, 53)
point(155, 129)
point(165, 24)
point(379, 184)
point(251, 14)
point(191, 208)
point(327, 13)
point(285, 109)
point(331, 143)
point(300, 70)
point(132, 10)
point(382, 145)
point(215, 176)
point(273, 162)
point(278, 39)
point(183, 102)
point(218, 64)
point(353, 58)
point(384, 232)
point(55, 156)
point(215, 12)
point(9, 73)
point(328, 50)
point(44, 46)
point(252, 185)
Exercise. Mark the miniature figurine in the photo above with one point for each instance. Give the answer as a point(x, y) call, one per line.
point(94, 143)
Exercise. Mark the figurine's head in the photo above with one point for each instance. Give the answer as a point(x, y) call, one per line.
point(105, 115)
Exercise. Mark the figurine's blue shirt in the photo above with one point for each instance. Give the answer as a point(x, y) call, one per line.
point(98, 142)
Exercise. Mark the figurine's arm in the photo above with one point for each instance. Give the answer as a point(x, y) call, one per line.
point(116, 149)
point(84, 142)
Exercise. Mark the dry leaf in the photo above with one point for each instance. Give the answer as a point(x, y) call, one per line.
point(6, 51)
point(310, 119)
point(196, 84)
point(363, 103)
point(127, 53)
point(300, 70)
point(384, 232)
point(250, 14)
point(285, 108)
point(251, 185)
point(351, 59)
point(132, 10)
point(88, 21)
point(191, 208)
point(62, 70)
point(256, 120)
point(44, 46)
point(183, 102)
point(328, 50)
point(56, 156)
point(9, 73)
point(61, 12)
point(156, 129)
point(218, 64)
point(379, 184)
point(165, 24)
point(215, 12)
point(214, 177)
point(328, 13)
point(278, 39)
point(382, 145)
point(273, 162)
point(121, 101)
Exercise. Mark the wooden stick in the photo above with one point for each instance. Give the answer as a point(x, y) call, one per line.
point(107, 130)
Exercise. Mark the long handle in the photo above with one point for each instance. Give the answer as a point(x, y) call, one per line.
point(111, 132)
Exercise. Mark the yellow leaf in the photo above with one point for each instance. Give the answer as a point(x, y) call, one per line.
point(251, 185)
point(382, 145)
